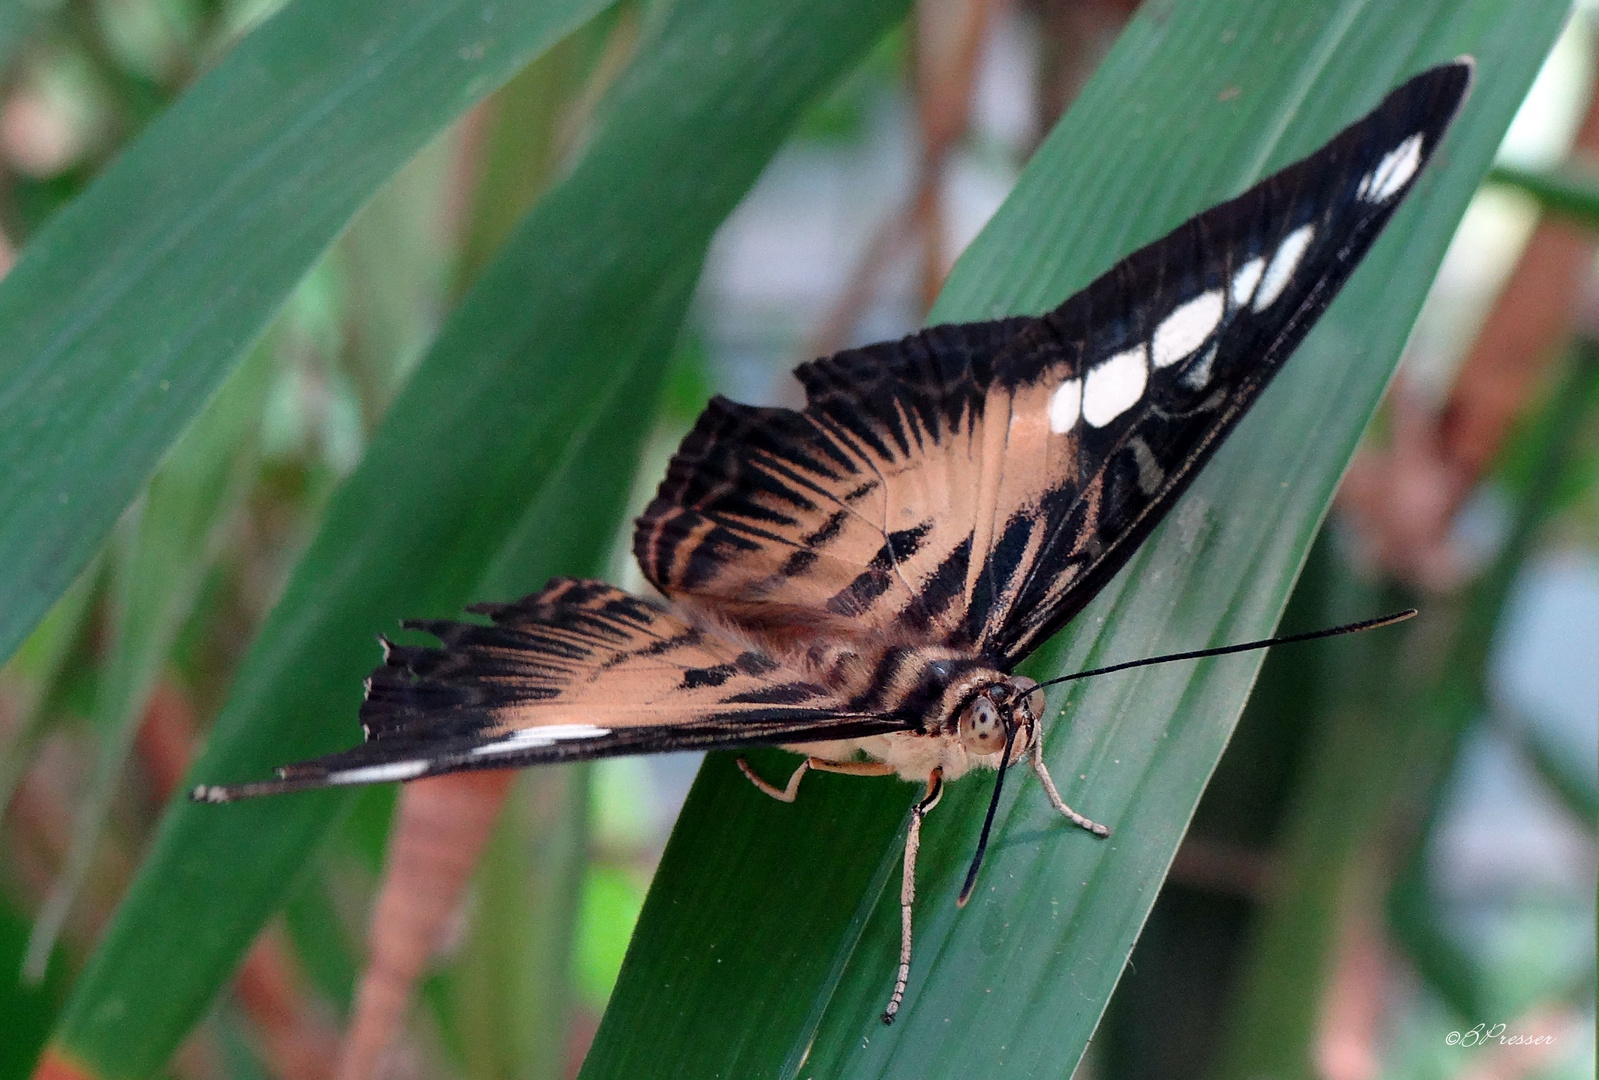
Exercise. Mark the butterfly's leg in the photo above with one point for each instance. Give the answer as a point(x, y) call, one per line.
point(789, 793)
point(1036, 757)
point(907, 889)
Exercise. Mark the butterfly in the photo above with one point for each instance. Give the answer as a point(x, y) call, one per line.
point(857, 581)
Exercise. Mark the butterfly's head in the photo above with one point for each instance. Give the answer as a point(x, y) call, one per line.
point(1009, 704)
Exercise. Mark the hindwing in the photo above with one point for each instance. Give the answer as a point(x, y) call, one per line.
point(580, 670)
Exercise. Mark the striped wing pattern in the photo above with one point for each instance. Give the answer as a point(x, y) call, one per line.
point(580, 670)
point(835, 520)
point(974, 486)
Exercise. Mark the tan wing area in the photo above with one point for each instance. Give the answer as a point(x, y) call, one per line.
point(914, 499)
point(854, 517)
point(579, 652)
point(973, 486)
point(580, 670)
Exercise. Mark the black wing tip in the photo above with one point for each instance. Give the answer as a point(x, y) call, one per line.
point(1461, 71)
point(1426, 104)
point(216, 794)
point(1450, 78)
point(347, 769)
point(1443, 89)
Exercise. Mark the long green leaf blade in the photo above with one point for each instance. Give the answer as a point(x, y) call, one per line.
point(128, 309)
point(1570, 190)
point(157, 573)
point(752, 963)
point(482, 453)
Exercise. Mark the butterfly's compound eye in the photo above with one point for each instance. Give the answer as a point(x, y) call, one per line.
point(982, 729)
point(1029, 700)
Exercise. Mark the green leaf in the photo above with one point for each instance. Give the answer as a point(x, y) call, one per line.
point(505, 1004)
point(750, 958)
point(28, 1009)
point(167, 547)
point(503, 441)
point(1357, 756)
point(1570, 190)
point(127, 311)
point(1554, 763)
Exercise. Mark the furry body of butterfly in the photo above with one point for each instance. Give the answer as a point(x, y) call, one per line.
point(856, 581)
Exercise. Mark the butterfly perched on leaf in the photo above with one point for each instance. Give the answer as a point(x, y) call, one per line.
point(858, 580)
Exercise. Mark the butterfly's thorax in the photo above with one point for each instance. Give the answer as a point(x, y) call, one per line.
point(927, 685)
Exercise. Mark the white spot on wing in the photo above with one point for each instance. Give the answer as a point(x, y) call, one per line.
point(1245, 280)
point(1186, 328)
point(1392, 172)
point(545, 735)
point(1114, 386)
point(1282, 266)
point(1066, 406)
point(376, 774)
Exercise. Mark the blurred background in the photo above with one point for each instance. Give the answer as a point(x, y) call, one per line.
point(1398, 845)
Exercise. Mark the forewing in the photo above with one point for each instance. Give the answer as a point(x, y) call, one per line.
point(976, 485)
point(581, 670)
point(1135, 381)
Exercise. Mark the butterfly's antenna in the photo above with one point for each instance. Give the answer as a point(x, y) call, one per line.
point(988, 821)
point(1264, 643)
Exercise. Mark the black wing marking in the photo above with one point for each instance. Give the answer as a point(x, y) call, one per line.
point(833, 520)
point(581, 670)
point(975, 485)
point(1274, 258)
